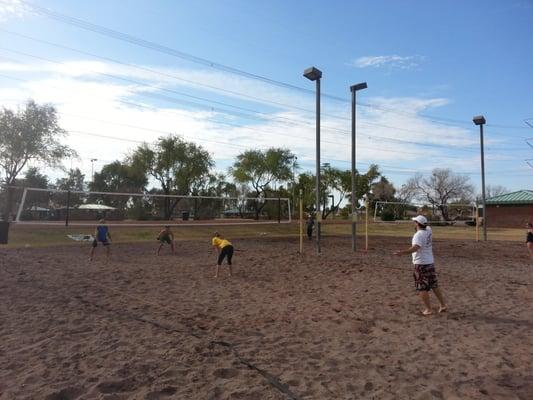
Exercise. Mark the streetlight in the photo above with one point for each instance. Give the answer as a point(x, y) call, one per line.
point(314, 74)
point(480, 120)
point(354, 89)
point(92, 167)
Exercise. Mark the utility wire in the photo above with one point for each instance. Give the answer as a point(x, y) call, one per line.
point(240, 126)
point(80, 23)
point(155, 95)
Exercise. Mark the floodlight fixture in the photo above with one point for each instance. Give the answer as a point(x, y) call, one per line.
point(479, 120)
point(312, 73)
point(359, 86)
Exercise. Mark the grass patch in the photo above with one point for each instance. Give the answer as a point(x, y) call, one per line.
point(43, 236)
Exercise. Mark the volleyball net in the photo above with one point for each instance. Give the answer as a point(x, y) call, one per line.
point(79, 208)
point(390, 211)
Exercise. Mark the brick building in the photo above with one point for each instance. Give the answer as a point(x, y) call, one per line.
point(510, 210)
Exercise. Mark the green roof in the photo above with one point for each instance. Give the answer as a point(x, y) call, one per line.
point(520, 197)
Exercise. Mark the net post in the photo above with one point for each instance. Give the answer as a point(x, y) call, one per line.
point(301, 223)
point(21, 205)
point(477, 223)
point(279, 208)
point(68, 208)
point(366, 224)
point(290, 210)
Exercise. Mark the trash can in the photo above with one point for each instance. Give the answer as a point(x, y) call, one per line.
point(4, 232)
point(185, 215)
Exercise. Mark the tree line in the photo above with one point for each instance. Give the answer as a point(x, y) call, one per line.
point(173, 166)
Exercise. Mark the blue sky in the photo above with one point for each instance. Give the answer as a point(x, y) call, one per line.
point(430, 66)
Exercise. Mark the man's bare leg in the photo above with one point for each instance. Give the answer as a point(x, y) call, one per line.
point(91, 256)
point(424, 295)
point(443, 307)
point(230, 271)
point(218, 269)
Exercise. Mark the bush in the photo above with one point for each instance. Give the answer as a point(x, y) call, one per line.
point(387, 216)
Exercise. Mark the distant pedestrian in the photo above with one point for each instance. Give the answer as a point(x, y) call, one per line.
point(424, 269)
point(310, 223)
point(529, 239)
point(102, 235)
point(224, 249)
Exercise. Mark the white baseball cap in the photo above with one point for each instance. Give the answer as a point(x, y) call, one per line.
point(420, 219)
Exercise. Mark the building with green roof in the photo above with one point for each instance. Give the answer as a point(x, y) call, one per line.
point(510, 210)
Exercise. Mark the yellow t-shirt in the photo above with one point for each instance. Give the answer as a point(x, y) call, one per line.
point(221, 243)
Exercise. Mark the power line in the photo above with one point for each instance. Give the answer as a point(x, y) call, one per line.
point(118, 35)
point(173, 76)
point(460, 147)
point(256, 129)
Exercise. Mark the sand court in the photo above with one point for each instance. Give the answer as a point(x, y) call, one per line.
point(285, 326)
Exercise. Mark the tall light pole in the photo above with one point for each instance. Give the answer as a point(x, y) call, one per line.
point(354, 89)
point(480, 120)
point(92, 168)
point(314, 74)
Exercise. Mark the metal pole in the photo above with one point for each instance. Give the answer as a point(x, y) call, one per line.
point(366, 224)
point(279, 207)
point(301, 223)
point(483, 184)
point(354, 216)
point(318, 215)
point(68, 208)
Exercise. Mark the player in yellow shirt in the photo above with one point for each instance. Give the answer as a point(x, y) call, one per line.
point(224, 249)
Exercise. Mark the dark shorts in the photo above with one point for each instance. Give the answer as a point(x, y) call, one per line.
point(104, 242)
point(225, 252)
point(425, 277)
point(165, 239)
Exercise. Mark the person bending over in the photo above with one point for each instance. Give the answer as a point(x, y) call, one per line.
point(224, 249)
point(165, 236)
point(102, 235)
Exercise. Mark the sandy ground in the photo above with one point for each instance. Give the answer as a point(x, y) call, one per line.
point(337, 326)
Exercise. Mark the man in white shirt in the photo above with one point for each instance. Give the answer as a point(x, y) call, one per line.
point(424, 271)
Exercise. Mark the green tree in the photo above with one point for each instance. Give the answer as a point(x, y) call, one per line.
point(119, 177)
point(262, 169)
point(178, 166)
point(338, 183)
point(74, 180)
point(34, 179)
point(29, 135)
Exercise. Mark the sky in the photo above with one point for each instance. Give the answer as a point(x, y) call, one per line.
point(228, 76)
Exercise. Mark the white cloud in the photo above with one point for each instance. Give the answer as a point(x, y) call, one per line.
point(89, 103)
point(391, 61)
point(12, 8)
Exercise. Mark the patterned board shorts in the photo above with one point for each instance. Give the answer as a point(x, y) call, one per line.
point(425, 277)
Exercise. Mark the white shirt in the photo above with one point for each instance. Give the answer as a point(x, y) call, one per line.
point(424, 255)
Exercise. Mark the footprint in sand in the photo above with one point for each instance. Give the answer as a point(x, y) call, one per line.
point(226, 373)
point(126, 385)
point(161, 394)
point(70, 393)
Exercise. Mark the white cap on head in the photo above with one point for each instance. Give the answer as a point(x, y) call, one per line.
point(420, 219)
